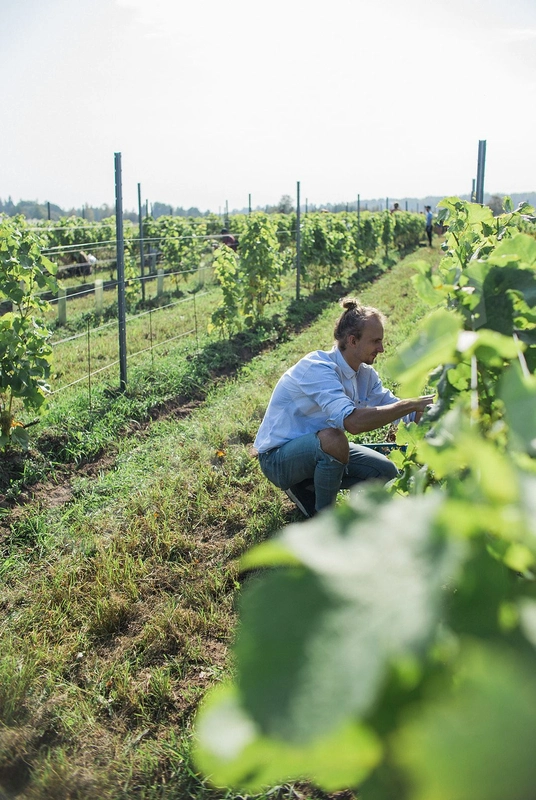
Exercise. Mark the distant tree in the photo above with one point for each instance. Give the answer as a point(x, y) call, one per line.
point(31, 209)
point(160, 210)
point(9, 207)
point(496, 204)
point(285, 205)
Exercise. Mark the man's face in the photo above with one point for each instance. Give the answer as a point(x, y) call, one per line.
point(365, 349)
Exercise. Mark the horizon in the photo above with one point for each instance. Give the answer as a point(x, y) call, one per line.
point(376, 204)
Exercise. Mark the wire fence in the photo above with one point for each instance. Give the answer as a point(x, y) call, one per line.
point(80, 356)
point(81, 351)
point(89, 354)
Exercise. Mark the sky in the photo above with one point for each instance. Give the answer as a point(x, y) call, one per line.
point(210, 102)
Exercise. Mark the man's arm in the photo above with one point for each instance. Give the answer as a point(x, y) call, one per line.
point(368, 419)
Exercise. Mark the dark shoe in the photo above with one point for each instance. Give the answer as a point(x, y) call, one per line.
point(303, 496)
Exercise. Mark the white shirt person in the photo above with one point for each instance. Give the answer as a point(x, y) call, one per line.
point(302, 443)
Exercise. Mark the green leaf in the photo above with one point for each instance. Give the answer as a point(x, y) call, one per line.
point(518, 393)
point(398, 458)
point(493, 284)
point(519, 248)
point(422, 267)
point(230, 750)
point(528, 504)
point(427, 292)
point(452, 204)
point(268, 554)
point(460, 376)
point(454, 446)
point(527, 618)
point(490, 347)
point(476, 742)
point(409, 435)
point(518, 557)
point(477, 214)
point(20, 436)
point(315, 643)
point(434, 344)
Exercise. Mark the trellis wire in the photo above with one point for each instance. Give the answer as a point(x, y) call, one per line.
point(91, 373)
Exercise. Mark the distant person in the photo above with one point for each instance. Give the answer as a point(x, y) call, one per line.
point(85, 264)
point(429, 219)
point(395, 207)
point(302, 443)
point(228, 239)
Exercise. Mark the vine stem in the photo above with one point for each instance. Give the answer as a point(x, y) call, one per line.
point(522, 360)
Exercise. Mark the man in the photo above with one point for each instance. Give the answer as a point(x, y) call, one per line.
point(228, 239)
point(429, 219)
point(302, 443)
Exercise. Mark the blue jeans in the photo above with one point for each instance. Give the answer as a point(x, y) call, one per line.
point(303, 458)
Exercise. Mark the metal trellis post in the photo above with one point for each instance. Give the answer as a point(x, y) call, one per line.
point(142, 257)
point(480, 171)
point(121, 304)
point(298, 241)
point(89, 364)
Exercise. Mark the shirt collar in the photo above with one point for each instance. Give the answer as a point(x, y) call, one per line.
point(346, 369)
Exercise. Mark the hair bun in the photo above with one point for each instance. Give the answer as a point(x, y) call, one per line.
point(349, 303)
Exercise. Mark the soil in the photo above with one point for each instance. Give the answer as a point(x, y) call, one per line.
point(58, 491)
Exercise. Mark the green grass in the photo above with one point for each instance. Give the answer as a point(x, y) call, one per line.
point(118, 606)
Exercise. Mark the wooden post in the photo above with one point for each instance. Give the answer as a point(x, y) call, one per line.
point(62, 305)
point(99, 294)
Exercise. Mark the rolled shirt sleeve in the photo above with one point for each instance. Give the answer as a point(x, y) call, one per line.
point(371, 392)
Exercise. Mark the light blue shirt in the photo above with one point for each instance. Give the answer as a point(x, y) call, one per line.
point(319, 392)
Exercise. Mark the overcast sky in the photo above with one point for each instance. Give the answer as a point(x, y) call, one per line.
point(211, 101)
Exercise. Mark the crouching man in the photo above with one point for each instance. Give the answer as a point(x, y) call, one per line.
point(302, 443)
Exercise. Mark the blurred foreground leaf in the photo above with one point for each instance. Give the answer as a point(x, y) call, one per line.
point(231, 751)
point(477, 743)
point(435, 343)
point(518, 393)
point(359, 587)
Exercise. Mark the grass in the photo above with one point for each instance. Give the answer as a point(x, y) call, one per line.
point(118, 606)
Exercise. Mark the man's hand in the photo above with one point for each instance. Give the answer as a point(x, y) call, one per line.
point(424, 402)
point(362, 420)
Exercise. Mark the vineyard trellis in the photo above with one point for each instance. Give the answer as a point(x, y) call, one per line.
point(187, 248)
point(91, 354)
point(184, 258)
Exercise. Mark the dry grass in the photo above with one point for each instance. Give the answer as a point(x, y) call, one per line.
point(118, 606)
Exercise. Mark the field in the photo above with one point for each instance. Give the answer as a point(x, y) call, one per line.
point(120, 575)
point(170, 625)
